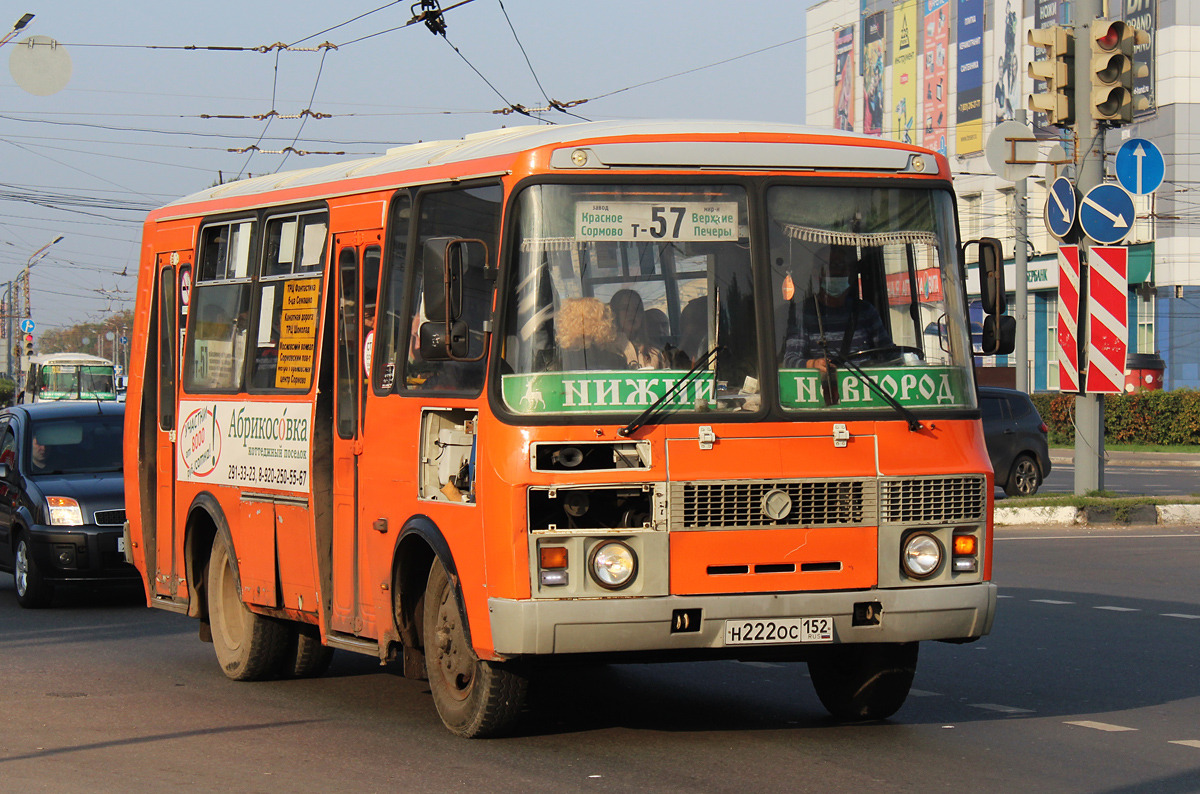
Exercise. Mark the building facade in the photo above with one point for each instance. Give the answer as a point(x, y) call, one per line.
point(943, 73)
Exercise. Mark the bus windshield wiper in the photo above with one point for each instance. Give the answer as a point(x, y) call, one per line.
point(652, 411)
point(914, 424)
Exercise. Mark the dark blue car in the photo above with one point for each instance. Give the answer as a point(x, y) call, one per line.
point(62, 497)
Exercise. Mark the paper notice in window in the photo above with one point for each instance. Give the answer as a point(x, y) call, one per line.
point(298, 333)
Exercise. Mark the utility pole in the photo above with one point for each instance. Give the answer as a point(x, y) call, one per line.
point(1089, 172)
point(1020, 256)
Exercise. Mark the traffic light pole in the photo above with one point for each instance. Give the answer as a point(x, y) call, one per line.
point(1020, 259)
point(1089, 158)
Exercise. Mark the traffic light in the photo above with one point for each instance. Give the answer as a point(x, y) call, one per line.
point(1114, 69)
point(28, 346)
point(1057, 101)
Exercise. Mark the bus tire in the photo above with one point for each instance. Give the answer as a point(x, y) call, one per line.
point(475, 698)
point(33, 591)
point(306, 656)
point(868, 681)
point(249, 647)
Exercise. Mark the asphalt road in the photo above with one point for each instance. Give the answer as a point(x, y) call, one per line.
point(1089, 683)
point(1151, 480)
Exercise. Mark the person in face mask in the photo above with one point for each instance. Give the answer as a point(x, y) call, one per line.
point(846, 322)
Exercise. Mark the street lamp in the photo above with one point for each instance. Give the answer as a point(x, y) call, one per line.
point(16, 28)
point(23, 289)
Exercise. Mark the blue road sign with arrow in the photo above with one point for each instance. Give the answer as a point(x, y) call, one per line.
point(27, 326)
point(1140, 166)
point(1061, 207)
point(1106, 214)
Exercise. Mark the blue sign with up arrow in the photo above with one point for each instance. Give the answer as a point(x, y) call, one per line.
point(27, 326)
point(1106, 214)
point(1140, 166)
point(1061, 206)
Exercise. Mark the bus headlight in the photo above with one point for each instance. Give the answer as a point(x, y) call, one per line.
point(613, 565)
point(922, 555)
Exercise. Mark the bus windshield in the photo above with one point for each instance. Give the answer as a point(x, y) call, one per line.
point(620, 290)
point(76, 382)
point(867, 297)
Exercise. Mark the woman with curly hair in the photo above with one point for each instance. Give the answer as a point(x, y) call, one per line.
point(585, 335)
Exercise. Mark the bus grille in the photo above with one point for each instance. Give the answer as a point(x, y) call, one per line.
point(933, 500)
point(725, 504)
point(110, 518)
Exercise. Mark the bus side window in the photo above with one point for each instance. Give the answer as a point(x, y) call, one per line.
point(393, 322)
point(472, 213)
point(287, 302)
point(220, 309)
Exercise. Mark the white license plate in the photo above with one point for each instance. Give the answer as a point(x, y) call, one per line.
point(778, 630)
point(121, 545)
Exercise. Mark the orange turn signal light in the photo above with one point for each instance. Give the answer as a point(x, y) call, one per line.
point(964, 544)
point(553, 556)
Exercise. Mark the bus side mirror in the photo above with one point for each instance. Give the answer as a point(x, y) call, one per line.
point(999, 335)
point(991, 275)
point(438, 345)
point(433, 277)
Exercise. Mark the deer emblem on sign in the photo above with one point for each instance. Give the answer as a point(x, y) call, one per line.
point(532, 398)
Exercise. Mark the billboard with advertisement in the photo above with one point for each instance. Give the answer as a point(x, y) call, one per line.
point(1006, 34)
point(874, 31)
point(843, 78)
point(1143, 14)
point(969, 113)
point(904, 72)
point(935, 87)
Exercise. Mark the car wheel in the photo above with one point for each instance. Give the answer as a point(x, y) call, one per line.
point(1024, 478)
point(33, 592)
point(475, 698)
point(249, 647)
point(868, 681)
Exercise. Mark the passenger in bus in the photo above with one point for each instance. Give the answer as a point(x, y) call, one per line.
point(835, 319)
point(633, 339)
point(586, 337)
point(693, 333)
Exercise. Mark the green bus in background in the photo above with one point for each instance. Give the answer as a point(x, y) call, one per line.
point(69, 376)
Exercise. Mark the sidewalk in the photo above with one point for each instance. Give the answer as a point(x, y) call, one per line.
point(1066, 456)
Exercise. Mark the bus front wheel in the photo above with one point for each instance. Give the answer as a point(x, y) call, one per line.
point(868, 681)
point(249, 647)
point(475, 698)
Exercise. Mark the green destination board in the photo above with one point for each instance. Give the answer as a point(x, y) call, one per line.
point(596, 391)
point(913, 387)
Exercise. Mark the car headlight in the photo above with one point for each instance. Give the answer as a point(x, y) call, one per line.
point(64, 511)
point(922, 555)
point(613, 565)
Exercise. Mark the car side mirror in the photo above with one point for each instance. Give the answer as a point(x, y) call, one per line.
point(5, 471)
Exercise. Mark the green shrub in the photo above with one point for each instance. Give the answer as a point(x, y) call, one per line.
point(1148, 417)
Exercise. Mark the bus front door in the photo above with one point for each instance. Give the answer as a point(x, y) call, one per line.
point(167, 567)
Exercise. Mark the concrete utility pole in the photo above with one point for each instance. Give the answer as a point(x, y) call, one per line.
point(1089, 408)
point(1020, 257)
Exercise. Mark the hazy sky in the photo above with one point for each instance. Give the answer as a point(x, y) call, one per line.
point(126, 134)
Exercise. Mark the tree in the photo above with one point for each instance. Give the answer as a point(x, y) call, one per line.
point(70, 339)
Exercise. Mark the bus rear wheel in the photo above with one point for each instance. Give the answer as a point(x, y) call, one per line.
point(475, 698)
point(868, 681)
point(306, 656)
point(249, 647)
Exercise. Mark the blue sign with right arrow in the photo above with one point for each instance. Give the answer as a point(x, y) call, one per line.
point(1106, 214)
point(1061, 206)
point(1140, 166)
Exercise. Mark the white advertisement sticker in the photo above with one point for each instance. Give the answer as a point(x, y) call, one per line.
point(247, 444)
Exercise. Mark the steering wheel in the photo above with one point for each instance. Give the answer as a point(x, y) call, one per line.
point(877, 352)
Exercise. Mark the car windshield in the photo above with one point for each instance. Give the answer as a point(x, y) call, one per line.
point(867, 278)
point(620, 290)
point(75, 445)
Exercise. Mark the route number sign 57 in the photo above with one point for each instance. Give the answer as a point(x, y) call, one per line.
point(621, 221)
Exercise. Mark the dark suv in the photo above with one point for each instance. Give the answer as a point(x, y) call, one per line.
point(1016, 440)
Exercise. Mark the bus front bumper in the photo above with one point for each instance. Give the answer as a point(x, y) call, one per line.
point(615, 625)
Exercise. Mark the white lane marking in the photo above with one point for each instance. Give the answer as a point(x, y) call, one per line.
point(761, 664)
point(1004, 596)
point(922, 693)
point(1187, 742)
point(1180, 615)
point(1049, 601)
point(1100, 537)
point(1099, 726)
point(1119, 609)
point(1001, 709)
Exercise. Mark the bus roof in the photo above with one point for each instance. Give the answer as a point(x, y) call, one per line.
point(721, 143)
point(70, 358)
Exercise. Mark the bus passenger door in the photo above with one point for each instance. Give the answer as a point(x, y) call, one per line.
point(355, 251)
point(170, 266)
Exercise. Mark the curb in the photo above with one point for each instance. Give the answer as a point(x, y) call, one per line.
point(1166, 515)
point(1067, 460)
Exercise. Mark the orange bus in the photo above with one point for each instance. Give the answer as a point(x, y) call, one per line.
point(606, 391)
